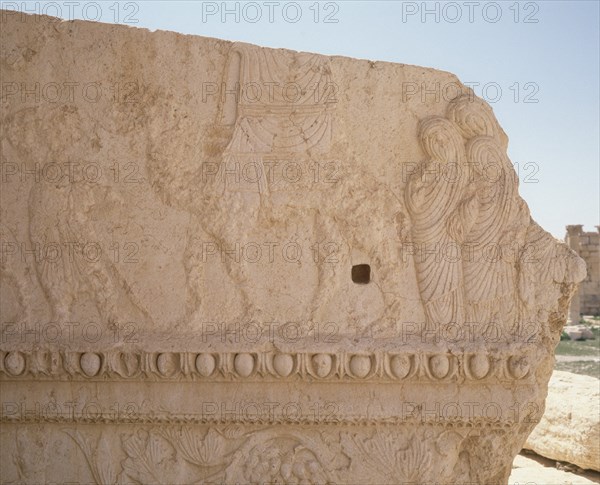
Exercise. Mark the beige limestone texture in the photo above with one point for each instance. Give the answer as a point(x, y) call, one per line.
point(532, 470)
point(185, 226)
point(570, 427)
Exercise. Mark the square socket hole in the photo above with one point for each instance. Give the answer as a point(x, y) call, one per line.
point(361, 274)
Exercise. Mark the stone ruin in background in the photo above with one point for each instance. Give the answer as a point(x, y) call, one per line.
point(232, 264)
point(586, 300)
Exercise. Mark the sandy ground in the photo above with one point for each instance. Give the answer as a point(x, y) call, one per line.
point(577, 358)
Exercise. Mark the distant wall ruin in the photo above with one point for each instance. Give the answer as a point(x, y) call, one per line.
point(587, 244)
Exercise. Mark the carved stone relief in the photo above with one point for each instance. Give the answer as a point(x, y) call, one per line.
point(247, 265)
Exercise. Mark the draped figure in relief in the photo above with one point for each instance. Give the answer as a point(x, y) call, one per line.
point(431, 201)
point(489, 267)
point(491, 215)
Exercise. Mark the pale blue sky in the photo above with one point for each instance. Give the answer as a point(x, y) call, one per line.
point(552, 45)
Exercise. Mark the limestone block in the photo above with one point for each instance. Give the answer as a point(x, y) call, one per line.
point(578, 332)
point(223, 263)
point(570, 427)
point(529, 470)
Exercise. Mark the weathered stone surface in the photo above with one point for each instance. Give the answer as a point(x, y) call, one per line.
point(570, 427)
point(534, 470)
point(231, 264)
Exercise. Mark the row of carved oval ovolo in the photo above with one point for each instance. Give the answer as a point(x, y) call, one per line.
point(116, 364)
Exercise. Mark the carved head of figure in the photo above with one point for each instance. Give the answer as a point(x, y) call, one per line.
point(491, 164)
point(441, 140)
point(474, 117)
